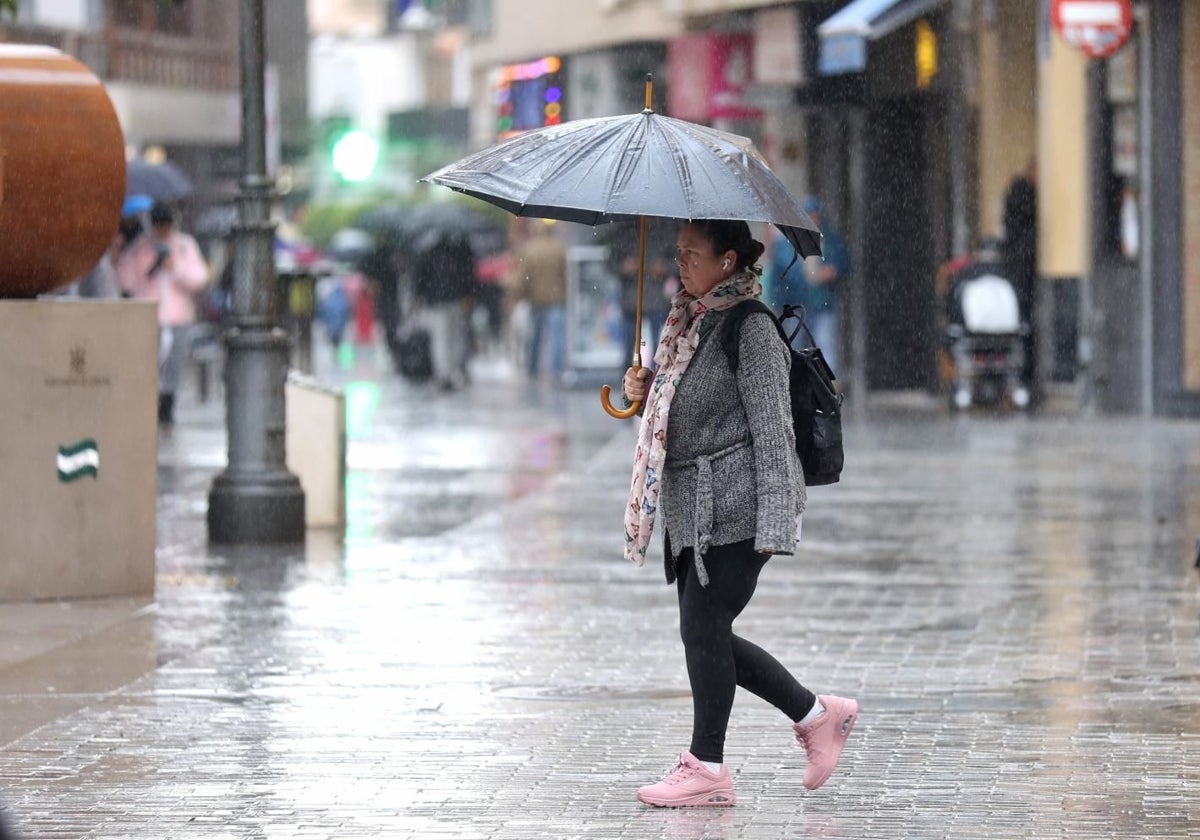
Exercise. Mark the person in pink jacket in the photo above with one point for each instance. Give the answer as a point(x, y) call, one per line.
point(166, 265)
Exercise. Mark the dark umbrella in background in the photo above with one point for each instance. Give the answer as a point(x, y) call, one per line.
point(630, 167)
point(407, 224)
point(161, 181)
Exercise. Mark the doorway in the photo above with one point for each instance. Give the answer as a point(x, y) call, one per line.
point(906, 191)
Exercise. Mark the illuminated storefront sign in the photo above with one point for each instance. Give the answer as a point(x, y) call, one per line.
point(529, 96)
point(926, 54)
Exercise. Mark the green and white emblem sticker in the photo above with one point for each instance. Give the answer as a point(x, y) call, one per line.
point(77, 460)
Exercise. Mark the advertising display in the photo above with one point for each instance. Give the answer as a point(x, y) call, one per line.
point(594, 339)
point(718, 90)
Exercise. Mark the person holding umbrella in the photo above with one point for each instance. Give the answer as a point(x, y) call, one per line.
point(726, 431)
point(725, 475)
point(167, 266)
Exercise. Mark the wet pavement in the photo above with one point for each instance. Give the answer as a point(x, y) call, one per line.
point(1012, 600)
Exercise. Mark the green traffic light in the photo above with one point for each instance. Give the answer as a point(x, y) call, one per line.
point(355, 155)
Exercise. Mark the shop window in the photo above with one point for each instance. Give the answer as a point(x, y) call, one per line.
point(128, 13)
point(174, 19)
point(1121, 106)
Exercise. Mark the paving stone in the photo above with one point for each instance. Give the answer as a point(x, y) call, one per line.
point(1010, 598)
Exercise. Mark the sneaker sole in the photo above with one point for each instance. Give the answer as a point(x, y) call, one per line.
point(848, 727)
point(712, 799)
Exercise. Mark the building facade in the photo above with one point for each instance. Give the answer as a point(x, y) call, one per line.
point(910, 120)
point(172, 72)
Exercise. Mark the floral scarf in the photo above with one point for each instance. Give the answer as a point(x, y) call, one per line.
point(680, 338)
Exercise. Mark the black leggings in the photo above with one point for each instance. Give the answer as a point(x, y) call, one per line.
point(719, 661)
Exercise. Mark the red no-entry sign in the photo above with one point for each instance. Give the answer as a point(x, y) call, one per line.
point(1098, 27)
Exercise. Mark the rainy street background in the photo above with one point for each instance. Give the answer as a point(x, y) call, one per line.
point(1006, 577)
point(1011, 599)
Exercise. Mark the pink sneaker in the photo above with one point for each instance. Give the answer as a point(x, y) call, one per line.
point(824, 738)
point(690, 784)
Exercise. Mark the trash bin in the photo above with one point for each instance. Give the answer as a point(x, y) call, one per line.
point(316, 448)
point(298, 290)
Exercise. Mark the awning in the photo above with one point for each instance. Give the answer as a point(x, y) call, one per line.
point(844, 37)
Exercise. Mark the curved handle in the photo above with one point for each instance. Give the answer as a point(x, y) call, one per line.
point(605, 391)
point(606, 403)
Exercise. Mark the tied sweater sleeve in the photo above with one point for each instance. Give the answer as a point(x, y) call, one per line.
point(762, 380)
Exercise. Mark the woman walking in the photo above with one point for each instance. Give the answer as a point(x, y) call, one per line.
point(725, 476)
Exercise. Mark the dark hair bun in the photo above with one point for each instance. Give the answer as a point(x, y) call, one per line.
point(732, 235)
point(753, 252)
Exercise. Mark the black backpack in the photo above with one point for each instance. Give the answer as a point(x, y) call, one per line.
point(816, 405)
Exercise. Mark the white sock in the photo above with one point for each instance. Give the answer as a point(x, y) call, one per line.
point(712, 766)
point(815, 712)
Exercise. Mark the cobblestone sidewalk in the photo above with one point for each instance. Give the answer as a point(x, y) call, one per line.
point(1011, 600)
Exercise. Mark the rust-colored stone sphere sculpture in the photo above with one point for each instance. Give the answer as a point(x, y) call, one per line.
point(62, 170)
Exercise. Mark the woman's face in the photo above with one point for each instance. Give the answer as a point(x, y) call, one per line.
point(700, 268)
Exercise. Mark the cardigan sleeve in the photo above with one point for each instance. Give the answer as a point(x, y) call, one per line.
point(762, 378)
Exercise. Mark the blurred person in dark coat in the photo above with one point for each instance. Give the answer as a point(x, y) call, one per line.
point(381, 266)
point(1020, 254)
point(443, 279)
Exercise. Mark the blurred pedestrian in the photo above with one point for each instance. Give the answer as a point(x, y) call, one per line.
point(491, 273)
point(541, 279)
point(101, 282)
point(382, 267)
point(824, 277)
point(785, 282)
point(1021, 256)
point(660, 278)
point(165, 265)
point(443, 278)
point(731, 489)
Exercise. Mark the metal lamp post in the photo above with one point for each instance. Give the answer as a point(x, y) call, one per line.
point(256, 499)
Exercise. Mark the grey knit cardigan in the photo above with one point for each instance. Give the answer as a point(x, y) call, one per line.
point(732, 472)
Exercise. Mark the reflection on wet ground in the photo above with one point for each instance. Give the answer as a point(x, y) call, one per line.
point(1011, 599)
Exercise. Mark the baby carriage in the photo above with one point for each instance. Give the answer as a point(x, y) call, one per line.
point(985, 337)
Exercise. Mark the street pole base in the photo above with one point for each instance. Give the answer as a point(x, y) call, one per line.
point(262, 510)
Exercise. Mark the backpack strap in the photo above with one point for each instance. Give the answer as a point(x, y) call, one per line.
point(797, 311)
point(732, 325)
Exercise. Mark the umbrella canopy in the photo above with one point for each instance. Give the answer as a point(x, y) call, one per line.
point(602, 170)
point(408, 224)
point(161, 181)
point(632, 167)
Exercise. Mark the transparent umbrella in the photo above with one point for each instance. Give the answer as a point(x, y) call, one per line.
point(632, 167)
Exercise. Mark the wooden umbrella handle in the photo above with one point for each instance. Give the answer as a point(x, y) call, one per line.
point(606, 403)
point(643, 223)
point(605, 391)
